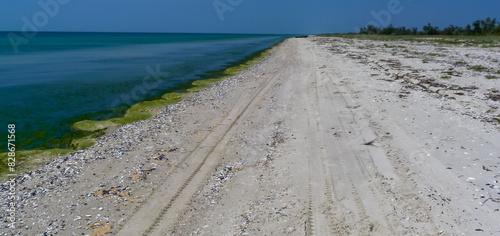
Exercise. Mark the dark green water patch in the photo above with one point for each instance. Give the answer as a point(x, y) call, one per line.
point(44, 140)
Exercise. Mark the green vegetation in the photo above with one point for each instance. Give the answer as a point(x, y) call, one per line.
point(477, 68)
point(479, 41)
point(374, 37)
point(487, 26)
point(436, 55)
point(480, 68)
point(393, 46)
point(26, 160)
point(448, 74)
point(492, 77)
point(488, 29)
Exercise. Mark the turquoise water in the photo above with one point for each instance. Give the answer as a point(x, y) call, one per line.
point(57, 79)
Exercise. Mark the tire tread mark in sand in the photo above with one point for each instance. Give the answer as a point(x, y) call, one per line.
point(340, 224)
point(173, 169)
point(317, 146)
point(310, 230)
point(312, 201)
point(373, 226)
point(375, 189)
point(259, 91)
point(385, 126)
point(337, 225)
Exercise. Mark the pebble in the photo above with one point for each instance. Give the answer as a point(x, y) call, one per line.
point(470, 179)
point(57, 176)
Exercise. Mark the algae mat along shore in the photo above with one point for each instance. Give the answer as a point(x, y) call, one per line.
point(85, 131)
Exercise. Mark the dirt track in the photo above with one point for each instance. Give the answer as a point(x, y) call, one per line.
point(324, 137)
point(347, 168)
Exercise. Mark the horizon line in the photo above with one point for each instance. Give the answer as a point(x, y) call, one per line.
point(124, 32)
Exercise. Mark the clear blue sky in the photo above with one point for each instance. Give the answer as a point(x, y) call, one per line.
point(237, 16)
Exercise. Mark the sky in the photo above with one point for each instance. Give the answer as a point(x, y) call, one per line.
point(237, 16)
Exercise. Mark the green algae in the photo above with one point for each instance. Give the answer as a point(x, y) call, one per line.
point(232, 70)
point(89, 130)
point(28, 159)
point(142, 110)
point(82, 143)
point(199, 85)
point(92, 125)
point(139, 111)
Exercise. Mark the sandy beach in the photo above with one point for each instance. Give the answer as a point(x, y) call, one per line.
point(326, 136)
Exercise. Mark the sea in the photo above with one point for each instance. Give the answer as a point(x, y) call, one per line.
point(54, 79)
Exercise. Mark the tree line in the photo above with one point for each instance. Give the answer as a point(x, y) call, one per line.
point(487, 26)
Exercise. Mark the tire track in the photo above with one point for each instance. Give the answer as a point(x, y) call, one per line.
point(185, 182)
point(327, 214)
point(341, 223)
point(319, 189)
point(366, 189)
point(350, 170)
point(360, 164)
point(404, 142)
point(310, 228)
point(190, 187)
point(312, 124)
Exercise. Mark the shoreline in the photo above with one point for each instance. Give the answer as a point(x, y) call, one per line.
point(144, 110)
point(31, 159)
point(327, 136)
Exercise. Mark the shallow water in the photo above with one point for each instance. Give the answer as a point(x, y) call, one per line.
point(57, 79)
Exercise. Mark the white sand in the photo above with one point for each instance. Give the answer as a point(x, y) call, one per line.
point(327, 136)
